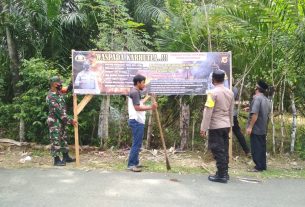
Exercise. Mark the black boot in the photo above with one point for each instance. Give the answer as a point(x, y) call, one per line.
point(67, 158)
point(58, 162)
point(219, 177)
point(226, 174)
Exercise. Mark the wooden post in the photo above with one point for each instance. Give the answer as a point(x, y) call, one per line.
point(230, 146)
point(230, 133)
point(76, 130)
point(77, 108)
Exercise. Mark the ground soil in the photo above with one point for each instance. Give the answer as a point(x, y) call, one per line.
point(12, 156)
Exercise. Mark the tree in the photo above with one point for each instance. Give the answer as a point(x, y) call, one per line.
point(117, 32)
point(35, 28)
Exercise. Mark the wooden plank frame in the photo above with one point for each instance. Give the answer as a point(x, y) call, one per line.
point(230, 133)
point(77, 108)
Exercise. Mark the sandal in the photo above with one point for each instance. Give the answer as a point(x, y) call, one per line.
point(254, 170)
point(134, 169)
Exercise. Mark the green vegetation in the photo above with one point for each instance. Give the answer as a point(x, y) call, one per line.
point(266, 37)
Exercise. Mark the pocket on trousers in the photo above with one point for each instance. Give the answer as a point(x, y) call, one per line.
point(213, 145)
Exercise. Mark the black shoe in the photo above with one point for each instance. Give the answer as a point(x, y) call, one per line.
point(218, 178)
point(58, 162)
point(226, 174)
point(67, 158)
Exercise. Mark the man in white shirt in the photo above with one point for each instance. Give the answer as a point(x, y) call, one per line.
point(136, 111)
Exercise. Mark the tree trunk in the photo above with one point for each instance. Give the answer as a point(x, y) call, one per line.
point(294, 123)
point(123, 121)
point(193, 133)
point(282, 116)
point(184, 124)
point(273, 126)
point(120, 132)
point(93, 129)
point(14, 71)
point(14, 61)
point(21, 130)
point(149, 129)
point(208, 27)
point(103, 126)
point(241, 90)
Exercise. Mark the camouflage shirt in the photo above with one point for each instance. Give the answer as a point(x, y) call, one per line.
point(57, 108)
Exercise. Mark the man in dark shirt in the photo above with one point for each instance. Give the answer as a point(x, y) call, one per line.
point(136, 111)
point(257, 126)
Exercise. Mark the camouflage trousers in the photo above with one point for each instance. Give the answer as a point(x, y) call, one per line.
point(58, 137)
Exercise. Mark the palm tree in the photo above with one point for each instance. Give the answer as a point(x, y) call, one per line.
point(37, 28)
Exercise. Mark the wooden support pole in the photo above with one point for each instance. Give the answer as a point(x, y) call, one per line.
point(230, 146)
point(83, 103)
point(76, 130)
point(77, 108)
point(230, 133)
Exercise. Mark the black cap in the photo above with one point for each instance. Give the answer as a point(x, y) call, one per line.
point(261, 84)
point(218, 75)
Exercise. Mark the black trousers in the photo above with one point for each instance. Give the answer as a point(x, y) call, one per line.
point(258, 150)
point(219, 145)
point(239, 135)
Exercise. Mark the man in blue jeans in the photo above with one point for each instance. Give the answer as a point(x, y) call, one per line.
point(136, 111)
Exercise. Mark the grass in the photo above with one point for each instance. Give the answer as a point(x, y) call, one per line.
point(39, 153)
point(159, 167)
point(283, 173)
point(186, 163)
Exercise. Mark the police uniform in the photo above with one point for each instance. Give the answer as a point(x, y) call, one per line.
point(57, 122)
point(217, 120)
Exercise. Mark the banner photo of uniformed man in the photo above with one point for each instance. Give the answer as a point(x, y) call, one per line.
point(168, 73)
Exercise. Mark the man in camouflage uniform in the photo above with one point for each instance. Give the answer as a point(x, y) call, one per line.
point(57, 121)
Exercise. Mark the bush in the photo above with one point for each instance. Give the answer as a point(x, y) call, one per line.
point(30, 105)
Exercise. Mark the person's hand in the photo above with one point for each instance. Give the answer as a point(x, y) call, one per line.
point(154, 106)
point(70, 87)
point(249, 131)
point(247, 109)
point(153, 96)
point(74, 122)
point(203, 133)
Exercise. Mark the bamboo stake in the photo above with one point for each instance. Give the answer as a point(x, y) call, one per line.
point(168, 167)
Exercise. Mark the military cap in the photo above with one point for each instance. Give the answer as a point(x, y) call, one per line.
point(55, 79)
point(261, 84)
point(218, 75)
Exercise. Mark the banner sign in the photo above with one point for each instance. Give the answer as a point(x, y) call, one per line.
point(167, 73)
